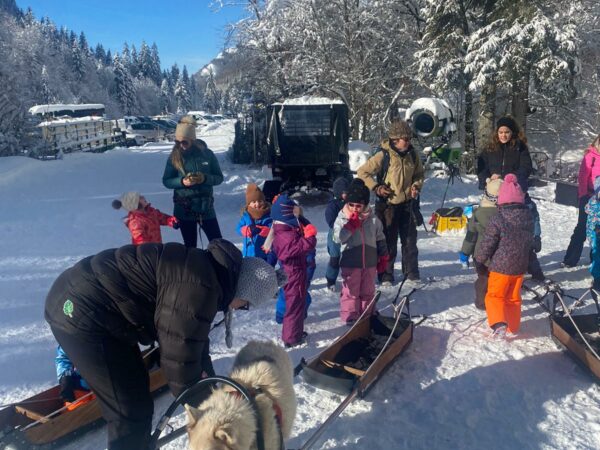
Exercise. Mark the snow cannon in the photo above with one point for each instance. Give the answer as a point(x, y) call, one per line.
point(431, 117)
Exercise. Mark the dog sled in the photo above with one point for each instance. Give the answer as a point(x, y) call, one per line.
point(354, 362)
point(43, 421)
point(579, 334)
point(358, 358)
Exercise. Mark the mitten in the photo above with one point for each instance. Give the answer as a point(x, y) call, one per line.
point(246, 231)
point(353, 223)
point(172, 222)
point(382, 263)
point(537, 244)
point(68, 384)
point(310, 230)
point(264, 231)
point(464, 259)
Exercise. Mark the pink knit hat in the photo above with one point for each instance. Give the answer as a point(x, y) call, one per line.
point(510, 191)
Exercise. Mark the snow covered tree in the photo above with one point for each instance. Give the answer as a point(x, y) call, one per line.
point(125, 90)
point(212, 95)
point(46, 92)
point(182, 96)
point(155, 64)
point(526, 48)
point(145, 64)
point(83, 44)
point(165, 96)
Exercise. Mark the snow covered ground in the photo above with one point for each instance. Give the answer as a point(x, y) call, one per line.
point(451, 389)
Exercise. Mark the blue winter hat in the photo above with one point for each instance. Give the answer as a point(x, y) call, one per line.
point(283, 210)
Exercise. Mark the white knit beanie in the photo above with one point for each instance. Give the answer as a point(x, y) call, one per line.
point(130, 201)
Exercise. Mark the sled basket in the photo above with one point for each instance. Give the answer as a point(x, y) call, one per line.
point(564, 331)
point(43, 421)
point(349, 362)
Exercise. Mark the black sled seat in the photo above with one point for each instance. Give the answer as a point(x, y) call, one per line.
point(360, 356)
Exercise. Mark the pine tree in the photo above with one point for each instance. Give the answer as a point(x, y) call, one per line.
point(165, 95)
point(125, 90)
point(182, 96)
point(145, 68)
point(156, 72)
point(83, 44)
point(46, 94)
point(77, 62)
point(100, 54)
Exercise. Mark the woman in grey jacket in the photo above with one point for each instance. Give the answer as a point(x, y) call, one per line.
point(364, 252)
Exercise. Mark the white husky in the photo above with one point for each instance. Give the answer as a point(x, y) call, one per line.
point(226, 421)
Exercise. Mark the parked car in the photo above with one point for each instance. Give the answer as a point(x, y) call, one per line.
point(134, 140)
point(150, 131)
point(165, 123)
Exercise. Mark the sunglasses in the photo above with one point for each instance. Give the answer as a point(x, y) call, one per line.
point(182, 143)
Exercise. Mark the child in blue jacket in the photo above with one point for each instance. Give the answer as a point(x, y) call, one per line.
point(335, 205)
point(255, 223)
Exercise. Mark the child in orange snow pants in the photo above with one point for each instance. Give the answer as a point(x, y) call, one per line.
point(505, 250)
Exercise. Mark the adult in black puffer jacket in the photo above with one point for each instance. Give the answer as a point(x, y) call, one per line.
point(506, 153)
point(103, 306)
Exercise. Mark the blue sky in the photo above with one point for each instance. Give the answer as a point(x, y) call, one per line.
point(186, 32)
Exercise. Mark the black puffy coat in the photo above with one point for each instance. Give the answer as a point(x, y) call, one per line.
point(163, 292)
point(505, 159)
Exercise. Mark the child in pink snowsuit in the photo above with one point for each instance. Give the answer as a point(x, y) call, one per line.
point(364, 251)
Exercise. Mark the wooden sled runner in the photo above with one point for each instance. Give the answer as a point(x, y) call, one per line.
point(42, 421)
point(358, 358)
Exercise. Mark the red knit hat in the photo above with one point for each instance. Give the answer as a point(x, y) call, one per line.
point(510, 191)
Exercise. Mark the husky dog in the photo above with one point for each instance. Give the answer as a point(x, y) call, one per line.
point(226, 421)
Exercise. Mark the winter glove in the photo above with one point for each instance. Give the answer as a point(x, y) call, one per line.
point(382, 263)
point(383, 191)
point(264, 231)
point(172, 222)
point(464, 260)
point(310, 230)
point(353, 223)
point(246, 231)
point(537, 244)
point(68, 384)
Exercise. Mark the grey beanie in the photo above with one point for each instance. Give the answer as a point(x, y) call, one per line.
point(258, 281)
point(130, 201)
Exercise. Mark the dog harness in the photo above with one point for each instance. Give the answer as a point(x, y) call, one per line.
point(253, 392)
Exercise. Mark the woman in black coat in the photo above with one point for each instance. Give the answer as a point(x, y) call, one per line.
point(100, 309)
point(507, 152)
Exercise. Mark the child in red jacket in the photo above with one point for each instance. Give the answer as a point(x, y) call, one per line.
point(143, 220)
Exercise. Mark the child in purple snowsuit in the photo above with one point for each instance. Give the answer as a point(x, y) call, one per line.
point(291, 244)
point(364, 251)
